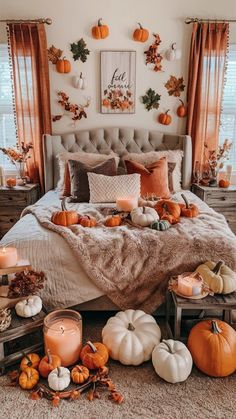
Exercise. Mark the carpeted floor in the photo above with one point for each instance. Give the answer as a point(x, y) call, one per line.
point(146, 395)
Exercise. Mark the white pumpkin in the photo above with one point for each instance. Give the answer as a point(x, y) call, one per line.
point(173, 53)
point(59, 378)
point(29, 307)
point(79, 82)
point(144, 216)
point(130, 336)
point(172, 361)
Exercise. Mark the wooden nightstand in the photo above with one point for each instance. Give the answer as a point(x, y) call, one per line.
point(222, 200)
point(12, 203)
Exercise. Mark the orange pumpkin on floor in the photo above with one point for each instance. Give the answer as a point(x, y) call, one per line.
point(48, 363)
point(188, 210)
point(165, 118)
point(63, 66)
point(87, 221)
point(94, 355)
point(30, 360)
point(140, 34)
point(79, 374)
point(100, 31)
point(212, 344)
point(65, 217)
point(28, 378)
point(224, 183)
point(113, 221)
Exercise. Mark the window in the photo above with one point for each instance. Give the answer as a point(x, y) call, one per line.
point(7, 125)
point(228, 115)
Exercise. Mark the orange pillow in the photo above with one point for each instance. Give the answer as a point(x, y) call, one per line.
point(66, 186)
point(154, 178)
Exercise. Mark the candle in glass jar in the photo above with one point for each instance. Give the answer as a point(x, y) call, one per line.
point(127, 204)
point(8, 257)
point(63, 335)
point(189, 285)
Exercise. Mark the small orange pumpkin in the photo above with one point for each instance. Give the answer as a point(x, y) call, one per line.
point(87, 221)
point(94, 355)
point(224, 183)
point(181, 110)
point(63, 65)
point(100, 31)
point(140, 34)
point(30, 360)
point(170, 218)
point(48, 363)
point(165, 118)
point(165, 206)
point(79, 374)
point(64, 217)
point(28, 378)
point(188, 210)
point(106, 103)
point(113, 221)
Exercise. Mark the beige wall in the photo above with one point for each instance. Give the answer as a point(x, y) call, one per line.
point(73, 19)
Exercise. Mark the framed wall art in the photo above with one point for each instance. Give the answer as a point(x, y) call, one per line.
point(118, 79)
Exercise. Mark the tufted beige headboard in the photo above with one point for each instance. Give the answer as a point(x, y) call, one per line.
point(119, 140)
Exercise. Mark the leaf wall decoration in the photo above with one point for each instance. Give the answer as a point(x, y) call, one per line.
point(175, 86)
point(79, 50)
point(151, 99)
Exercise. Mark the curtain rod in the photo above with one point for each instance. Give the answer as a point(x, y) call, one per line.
point(48, 20)
point(189, 20)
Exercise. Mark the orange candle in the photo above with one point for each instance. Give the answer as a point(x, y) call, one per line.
point(11, 182)
point(8, 257)
point(189, 285)
point(127, 203)
point(63, 335)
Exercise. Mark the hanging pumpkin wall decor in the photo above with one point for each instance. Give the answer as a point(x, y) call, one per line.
point(153, 57)
point(140, 34)
point(175, 86)
point(79, 82)
point(173, 53)
point(63, 65)
point(181, 110)
point(165, 118)
point(100, 31)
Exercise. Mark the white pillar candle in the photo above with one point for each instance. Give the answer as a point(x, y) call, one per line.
point(8, 257)
point(127, 204)
point(2, 177)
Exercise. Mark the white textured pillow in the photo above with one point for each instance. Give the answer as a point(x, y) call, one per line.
point(173, 156)
point(109, 188)
point(90, 159)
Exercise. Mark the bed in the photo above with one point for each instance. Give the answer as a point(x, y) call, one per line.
point(68, 283)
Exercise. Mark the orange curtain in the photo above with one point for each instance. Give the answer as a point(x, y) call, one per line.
point(28, 47)
point(207, 63)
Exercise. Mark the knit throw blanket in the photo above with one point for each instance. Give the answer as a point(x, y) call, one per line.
point(132, 266)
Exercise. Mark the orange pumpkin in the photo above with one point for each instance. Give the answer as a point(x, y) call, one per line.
point(94, 355)
point(170, 218)
point(106, 103)
point(64, 217)
point(188, 210)
point(113, 221)
point(181, 110)
point(86, 221)
point(48, 363)
point(100, 31)
point(28, 378)
point(30, 360)
point(63, 66)
point(212, 344)
point(165, 118)
point(79, 374)
point(140, 34)
point(224, 183)
point(165, 206)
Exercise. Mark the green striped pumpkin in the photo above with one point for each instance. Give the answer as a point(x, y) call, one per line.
point(160, 225)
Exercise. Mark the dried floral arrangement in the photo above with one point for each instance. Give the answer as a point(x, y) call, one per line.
point(118, 99)
point(26, 283)
point(96, 384)
point(216, 158)
point(151, 99)
point(154, 57)
point(77, 111)
point(175, 86)
point(54, 54)
point(79, 50)
point(20, 154)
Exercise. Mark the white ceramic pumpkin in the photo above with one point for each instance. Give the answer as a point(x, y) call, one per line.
point(59, 378)
point(29, 307)
point(172, 361)
point(173, 53)
point(79, 82)
point(144, 216)
point(130, 336)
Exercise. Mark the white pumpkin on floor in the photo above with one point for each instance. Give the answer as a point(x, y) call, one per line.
point(172, 361)
point(130, 336)
point(29, 307)
point(144, 216)
point(59, 378)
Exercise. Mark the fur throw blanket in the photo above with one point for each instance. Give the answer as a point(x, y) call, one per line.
point(132, 266)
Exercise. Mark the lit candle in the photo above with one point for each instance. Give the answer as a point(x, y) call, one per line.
point(127, 204)
point(189, 285)
point(63, 335)
point(8, 257)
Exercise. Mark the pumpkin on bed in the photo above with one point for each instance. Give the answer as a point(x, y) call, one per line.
point(87, 221)
point(187, 209)
point(168, 210)
point(64, 217)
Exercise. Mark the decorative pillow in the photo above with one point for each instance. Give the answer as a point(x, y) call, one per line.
point(90, 159)
point(173, 156)
point(154, 178)
point(79, 177)
point(108, 189)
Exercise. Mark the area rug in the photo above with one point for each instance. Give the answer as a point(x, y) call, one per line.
point(146, 395)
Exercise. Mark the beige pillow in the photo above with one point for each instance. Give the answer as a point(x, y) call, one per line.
point(108, 188)
point(173, 156)
point(89, 159)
